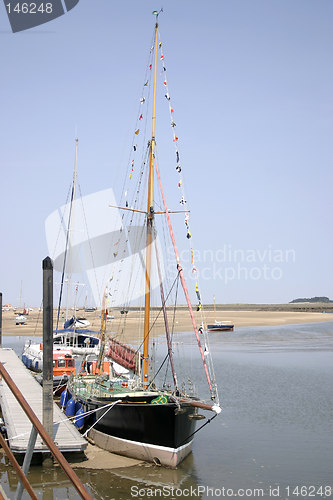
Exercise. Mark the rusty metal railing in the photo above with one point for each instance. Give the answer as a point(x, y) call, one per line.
point(38, 426)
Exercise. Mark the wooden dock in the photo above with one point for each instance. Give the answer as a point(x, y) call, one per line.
point(65, 435)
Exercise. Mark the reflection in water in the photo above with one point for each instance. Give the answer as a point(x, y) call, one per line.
point(103, 484)
point(276, 428)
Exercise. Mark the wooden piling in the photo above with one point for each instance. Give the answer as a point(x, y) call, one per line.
point(48, 345)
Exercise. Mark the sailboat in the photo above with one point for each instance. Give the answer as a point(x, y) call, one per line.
point(74, 333)
point(133, 416)
point(220, 326)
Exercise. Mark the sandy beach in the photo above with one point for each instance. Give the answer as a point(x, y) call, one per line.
point(131, 323)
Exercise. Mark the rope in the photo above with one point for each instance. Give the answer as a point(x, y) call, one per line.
point(88, 430)
point(90, 412)
point(207, 422)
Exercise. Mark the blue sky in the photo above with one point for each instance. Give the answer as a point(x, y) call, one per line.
point(251, 81)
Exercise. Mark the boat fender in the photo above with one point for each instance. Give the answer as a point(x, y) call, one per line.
point(79, 418)
point(70, 408)
point(64, 397)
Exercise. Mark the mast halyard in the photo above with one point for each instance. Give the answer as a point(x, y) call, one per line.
point(150, 218)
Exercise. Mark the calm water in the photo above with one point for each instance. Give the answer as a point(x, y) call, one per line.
point(275, 432)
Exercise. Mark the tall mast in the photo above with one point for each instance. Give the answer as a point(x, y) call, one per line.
point(69, 229)
point(68, 237)
point(150, 218)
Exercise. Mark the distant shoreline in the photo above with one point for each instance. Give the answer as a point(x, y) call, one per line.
point(239, 314)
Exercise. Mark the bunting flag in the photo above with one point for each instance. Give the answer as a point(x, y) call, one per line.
point(137, 131)
point(180, 180)
point(199, 306)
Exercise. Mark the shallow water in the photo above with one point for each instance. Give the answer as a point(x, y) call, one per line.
point(275, 432)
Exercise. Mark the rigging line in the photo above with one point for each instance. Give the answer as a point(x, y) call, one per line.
point(181, 273)
point(173, 323)
point(166, 323)
point(61, 221)
point(181, 184)
point(103, 414)
point(187, 218)
point(127, 226)
point(174, 312)
point(197, 430)
point(150, 56)
point(159, 312)
point(139, 236)
point(88, 236)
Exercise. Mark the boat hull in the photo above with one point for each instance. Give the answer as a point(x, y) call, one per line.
point(220, 328)
point(160, 455)
point(160, 433)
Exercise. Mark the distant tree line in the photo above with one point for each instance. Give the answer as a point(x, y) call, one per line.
point(313, 299)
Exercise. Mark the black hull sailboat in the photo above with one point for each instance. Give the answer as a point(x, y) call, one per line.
point(130, 415)
point(131, 428)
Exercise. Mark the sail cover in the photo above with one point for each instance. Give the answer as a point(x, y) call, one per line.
point(124, 355)
point(100, 249)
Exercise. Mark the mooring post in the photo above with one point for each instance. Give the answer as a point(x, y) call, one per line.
point(48, 345)
point(0, 319)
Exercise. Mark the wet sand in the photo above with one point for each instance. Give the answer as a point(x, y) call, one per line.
point(129, 326)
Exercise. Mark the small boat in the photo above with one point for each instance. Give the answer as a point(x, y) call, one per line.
point(221, 326)
point(20, 319)
point(80, 341)
point(75, 322)
point(63, 364)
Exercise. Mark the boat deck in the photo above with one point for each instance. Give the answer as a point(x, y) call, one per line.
point(18, 426)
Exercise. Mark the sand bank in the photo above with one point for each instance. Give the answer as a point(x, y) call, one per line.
point(131, 323)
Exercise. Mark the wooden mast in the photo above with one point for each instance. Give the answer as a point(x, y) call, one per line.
point(150, 217)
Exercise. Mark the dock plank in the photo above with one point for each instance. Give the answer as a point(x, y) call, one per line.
point(65, 435)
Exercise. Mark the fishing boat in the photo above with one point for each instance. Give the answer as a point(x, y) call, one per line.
point(63, 364)
point(141, 416)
